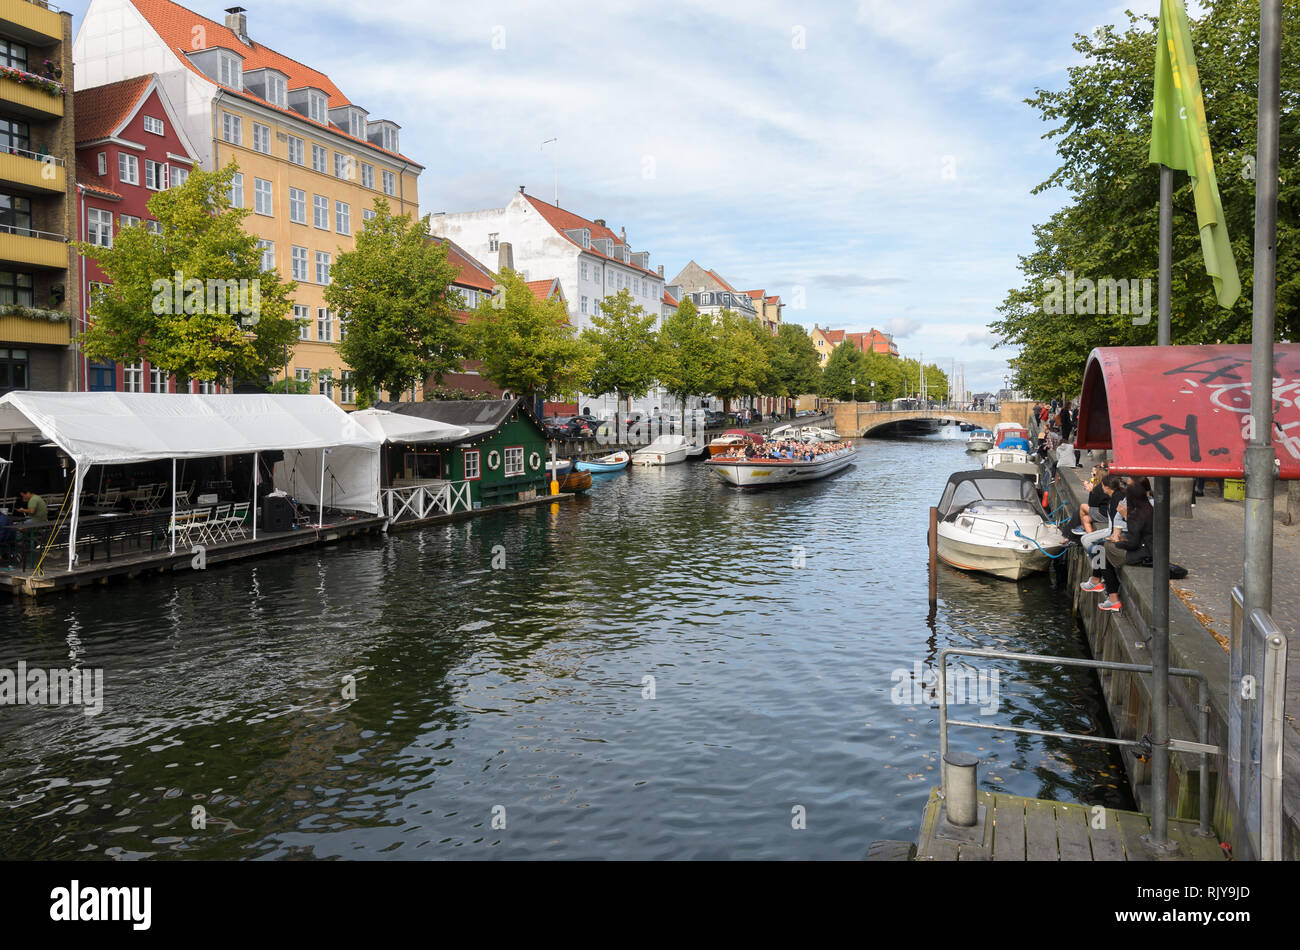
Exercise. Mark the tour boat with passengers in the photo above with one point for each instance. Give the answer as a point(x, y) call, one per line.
point(819, 461)
point(993, 521)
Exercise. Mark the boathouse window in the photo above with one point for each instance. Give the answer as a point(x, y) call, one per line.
point(471, 465)
point(422, 465)
point(514, 459)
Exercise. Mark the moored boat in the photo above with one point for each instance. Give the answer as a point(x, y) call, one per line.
point(605, 463)
point(992, 521)
point(1007, 459)
point(665, 450)
point(1009, 430)
point(980, 440)
point(731, 440)
point(575, 482)
point(756, 472)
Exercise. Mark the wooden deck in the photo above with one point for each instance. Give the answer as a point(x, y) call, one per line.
point(57, 578)
point(1012, 828)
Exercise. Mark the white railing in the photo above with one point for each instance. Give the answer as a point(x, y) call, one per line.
point(425, 500)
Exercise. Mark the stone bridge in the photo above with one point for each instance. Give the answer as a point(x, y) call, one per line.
point(862, 418)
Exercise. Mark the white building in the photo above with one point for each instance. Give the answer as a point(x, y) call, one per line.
point(590, 260)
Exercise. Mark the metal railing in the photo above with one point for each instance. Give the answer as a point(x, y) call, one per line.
point(28, 153)
point(1201, 746)
point(32, 232)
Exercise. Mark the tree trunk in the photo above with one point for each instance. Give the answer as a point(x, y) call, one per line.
point(1180, 497)
point(1292, 503)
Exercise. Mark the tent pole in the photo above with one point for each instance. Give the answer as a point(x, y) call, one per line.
point(75, 501)
point(256, 473)
point(173, 523)
point(320, 499)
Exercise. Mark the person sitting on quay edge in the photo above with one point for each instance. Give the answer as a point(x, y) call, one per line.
point(35, 508)
point(1098, 500)
point(1132, 547)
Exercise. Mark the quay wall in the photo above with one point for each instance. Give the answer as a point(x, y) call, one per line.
point(1122, 637)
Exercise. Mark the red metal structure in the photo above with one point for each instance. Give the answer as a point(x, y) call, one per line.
point(1185, 410)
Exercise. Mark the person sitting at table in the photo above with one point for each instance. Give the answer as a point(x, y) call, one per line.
point(35, 510)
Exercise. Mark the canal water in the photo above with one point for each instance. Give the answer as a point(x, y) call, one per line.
point(665, 668)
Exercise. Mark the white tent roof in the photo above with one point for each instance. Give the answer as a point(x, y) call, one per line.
point(396, 427)
point(121, 428)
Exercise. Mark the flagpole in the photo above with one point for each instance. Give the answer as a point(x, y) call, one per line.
point(1259, 455)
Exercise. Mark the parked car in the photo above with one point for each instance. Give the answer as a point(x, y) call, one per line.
point(714, 418)
point(569, 428)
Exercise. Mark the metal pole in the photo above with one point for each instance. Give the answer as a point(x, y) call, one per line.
point(934, 555)
point(320, 499)
point(1259, 454)
point(75, 501)
point(1159, 837)
point(256, 473)
point(172, 532)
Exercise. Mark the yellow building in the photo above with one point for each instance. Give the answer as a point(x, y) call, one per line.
point(37, 198)
point(311, 161)
point(825, 341)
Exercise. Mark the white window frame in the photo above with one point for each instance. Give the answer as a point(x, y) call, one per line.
point(103, 163)
point(232, 128)
point(268, 253)
point(155, 175)
point(133, 377)
point(367, 176)
point(323, 260)
point(154, 125)
point(320, 212)
point(178, 175)
point(318, 108)
point(299, 263)
point(319, 158)
point(297, 206)
point(302, 316)
point(127, 221)
point(390, 183)
point(342, 217)
point(261, 138)
point(475, 456)
point(512, 464)
point(324, 325)
point(325, 383)
point(237, 190)
point(159, 382)
point(297, 153)
point(263, 197)
point(128, 169)
point(347, 389)
point(230, 72)
point(99, 227)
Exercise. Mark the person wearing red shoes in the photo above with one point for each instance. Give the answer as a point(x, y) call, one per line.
point(1133, 546)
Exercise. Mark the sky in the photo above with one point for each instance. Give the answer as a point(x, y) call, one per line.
point(869, 161)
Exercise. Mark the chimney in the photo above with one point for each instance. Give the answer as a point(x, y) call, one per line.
point(600, 222)
point(661, 270)
point(521, 189)
point(505, 257)
point(237, 22)
point(622, 235)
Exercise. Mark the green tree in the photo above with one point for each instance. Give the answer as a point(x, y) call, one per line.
point(846, 363)
point(526, 345)
point(395, 292)
point(742, 366)
point(686, 353)
point(624, 355)
point(795, 362)
point(193, 300)
point(1109, 229)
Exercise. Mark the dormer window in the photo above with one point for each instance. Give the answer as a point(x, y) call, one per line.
point(586, 239)
point(231, 71)
point(277, 90)
point(317, 106)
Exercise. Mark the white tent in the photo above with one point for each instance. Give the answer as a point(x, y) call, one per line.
point(123, 428)
point(396, 427)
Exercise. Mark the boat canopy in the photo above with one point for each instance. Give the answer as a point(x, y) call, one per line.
point(985, 484)
point(397, 427)
point(1185, 410)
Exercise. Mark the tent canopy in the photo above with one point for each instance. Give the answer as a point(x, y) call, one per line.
point(1185, 410)
point(126, 428)
point(396, 427)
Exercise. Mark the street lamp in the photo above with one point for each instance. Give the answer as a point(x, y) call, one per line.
point(854, 381)
point(873, 391)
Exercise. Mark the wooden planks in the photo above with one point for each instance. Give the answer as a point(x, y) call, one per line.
point(1040, 831)
point(1107, 845)
point(1132, 826)
point(1072, 833)
point(1008, 817)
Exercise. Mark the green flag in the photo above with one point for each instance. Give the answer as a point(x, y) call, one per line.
point(1180, 140)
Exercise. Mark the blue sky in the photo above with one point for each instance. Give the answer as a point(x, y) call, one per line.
point(869, 160)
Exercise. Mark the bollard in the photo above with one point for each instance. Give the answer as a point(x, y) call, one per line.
point(960, 783)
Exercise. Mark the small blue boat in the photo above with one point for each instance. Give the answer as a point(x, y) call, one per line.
point(607, 463)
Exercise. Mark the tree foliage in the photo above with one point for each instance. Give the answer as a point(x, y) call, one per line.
point(743, 365)
point(1110, 229)
point(526, 345)
point(686, 353)
point(395, 292)
point(796, 366)
point(624, 355)
point(204, 253)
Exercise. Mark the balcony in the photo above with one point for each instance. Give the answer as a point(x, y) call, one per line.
point(16, 329)
point(33, 170)
point(33, 248)
point(29, 94)
point(34, 22)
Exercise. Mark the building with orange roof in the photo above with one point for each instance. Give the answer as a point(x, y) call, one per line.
point(869, 341)
point(38, 216)
point(130, 146)
point(311, 162)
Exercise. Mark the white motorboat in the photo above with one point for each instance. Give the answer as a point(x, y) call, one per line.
point(764, 472)
point(992, 521)
point(1011, 460)
point(665, 450)
point(696, 447)
point(980, 440)
point(801, 433)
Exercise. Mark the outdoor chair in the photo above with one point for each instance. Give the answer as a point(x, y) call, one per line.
point(219, 525)
point(181, 524)
point(200, 518)
point(238, 515)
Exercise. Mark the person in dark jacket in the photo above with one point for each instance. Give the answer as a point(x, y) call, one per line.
point(1134, 546)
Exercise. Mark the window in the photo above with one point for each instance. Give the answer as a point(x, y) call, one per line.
point(155, 175)
point(367, 214)
point(158, 381)
point(102, 162)
point(13, 370)
point(471, 465)
point(297, 206)
point(261, 138)
point(99, 227)
point(154, 125)
point(296, 150)
point(325, 383)
point(93, 291)
point(514, 459)
point(316, 106)
point(494, 242)
point(321, 212)
point(277, 90)
point(268, 254)
point(128, 221)
point(324, 325)
point(299, 265)
point(237, 190)
point(303, 378)
point(262, 199)
point(584, 270)
point(343, 326)
point(390, 183)
point(347, 389)
point(207, 387)
point(16, 136)
point(318, 155)
point(15, 288)
point(367, 175)
point(180, 175)
point(470, 296)
point(345, 166)
point(154, 226)
point(232, 72)
point(389, 138)
point(584, 304)
point(133, 378)
point(342, 217)
point(302, 316)
point(232, 128)
point(13, 54)
point(128, 169)
point(102, 377)
point(322, 267)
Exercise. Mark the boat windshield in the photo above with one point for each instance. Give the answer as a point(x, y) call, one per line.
point(960, 494)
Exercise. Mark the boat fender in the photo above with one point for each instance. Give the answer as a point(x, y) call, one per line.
point(494, 460)
point(534, 461)
point(1045, 497)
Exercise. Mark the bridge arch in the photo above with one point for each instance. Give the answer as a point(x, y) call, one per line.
point(869, 422)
